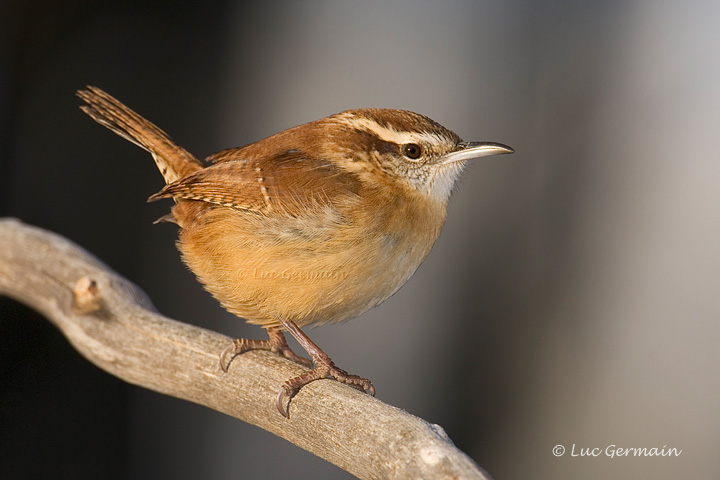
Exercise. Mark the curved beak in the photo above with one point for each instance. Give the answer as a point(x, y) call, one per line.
point(469, 150)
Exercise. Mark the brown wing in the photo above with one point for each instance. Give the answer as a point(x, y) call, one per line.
point(289, 183)
point(227, 155)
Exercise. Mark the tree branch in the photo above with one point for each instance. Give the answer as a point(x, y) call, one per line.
point(113, 324)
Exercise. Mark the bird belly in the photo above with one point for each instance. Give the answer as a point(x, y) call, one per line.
point(310, 271)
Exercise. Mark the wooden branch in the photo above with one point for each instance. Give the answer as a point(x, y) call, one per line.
point(114, 325)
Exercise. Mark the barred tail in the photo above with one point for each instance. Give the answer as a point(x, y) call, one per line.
point(172, 160)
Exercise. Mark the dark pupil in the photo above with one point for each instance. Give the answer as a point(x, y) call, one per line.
point(412, 150)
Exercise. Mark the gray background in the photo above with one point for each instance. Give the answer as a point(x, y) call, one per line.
point(572, 297)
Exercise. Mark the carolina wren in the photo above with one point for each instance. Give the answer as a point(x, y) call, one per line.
point(313, 225)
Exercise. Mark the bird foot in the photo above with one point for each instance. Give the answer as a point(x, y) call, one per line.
point(275, 343)
point(325, 369)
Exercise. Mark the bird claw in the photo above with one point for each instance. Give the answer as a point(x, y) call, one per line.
point(227, 355)
point(291, 387)
point(275, 343)
point(283, 400)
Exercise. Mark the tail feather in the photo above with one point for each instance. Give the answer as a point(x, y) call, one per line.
point(172, 160)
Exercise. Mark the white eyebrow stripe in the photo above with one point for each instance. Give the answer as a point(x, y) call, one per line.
point(396, 136)
point(387, 134)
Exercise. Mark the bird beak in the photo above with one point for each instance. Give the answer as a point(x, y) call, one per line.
point(467, 150)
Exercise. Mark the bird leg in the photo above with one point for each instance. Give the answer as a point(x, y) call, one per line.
point(324, 368)
point(275, 343)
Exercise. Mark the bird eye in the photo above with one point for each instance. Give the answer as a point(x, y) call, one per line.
point(412, 150)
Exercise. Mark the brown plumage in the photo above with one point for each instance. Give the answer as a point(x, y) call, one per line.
point(315, 224)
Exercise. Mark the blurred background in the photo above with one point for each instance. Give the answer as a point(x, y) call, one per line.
point(572, 298)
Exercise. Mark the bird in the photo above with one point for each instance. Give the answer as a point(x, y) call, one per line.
point(313, 225)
